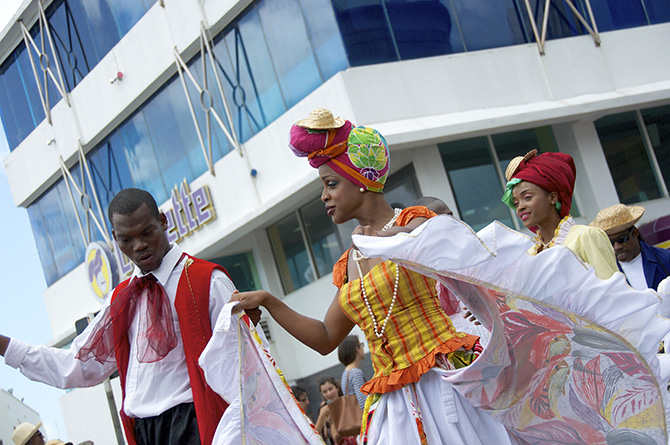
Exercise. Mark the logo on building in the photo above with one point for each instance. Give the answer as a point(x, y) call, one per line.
point(101, 271)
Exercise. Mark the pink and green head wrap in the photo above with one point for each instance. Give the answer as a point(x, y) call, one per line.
point(359, 154)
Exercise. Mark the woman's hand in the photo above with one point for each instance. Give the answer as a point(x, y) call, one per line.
point(249, 300)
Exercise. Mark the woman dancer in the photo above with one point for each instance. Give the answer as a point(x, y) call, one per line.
point(412, 341)
point(539, 189)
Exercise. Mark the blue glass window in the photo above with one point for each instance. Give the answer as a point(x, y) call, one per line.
point(242, 270)
point(491, 23)
point(83, 31)
point(252, 89)
point(166, 136)
point(657, 123)
point(325, 36)
point(423, 28)
point(292, 55)
point(469, 162)
point(365, 32)
point(658, 11)
point(141, 158)
point(220, 143)
point(109, 169)
point(19, 115)
point(42, 242)
point(617, 14)
point(627, 158)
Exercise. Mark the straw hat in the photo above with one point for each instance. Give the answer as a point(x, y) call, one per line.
point(57, 442)
point(24, 432)
point(514, 163)
point(617, 218)
point(321, 119)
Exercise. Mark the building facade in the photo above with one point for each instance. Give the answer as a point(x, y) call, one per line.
point(193, 99)
point(13, 412)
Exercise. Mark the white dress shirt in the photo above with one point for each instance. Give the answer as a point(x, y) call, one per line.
point(151, 388)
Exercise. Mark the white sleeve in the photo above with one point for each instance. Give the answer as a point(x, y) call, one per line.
point(59, 367)
point(221, 288)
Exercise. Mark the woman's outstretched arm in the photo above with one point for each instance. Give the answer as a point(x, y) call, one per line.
point(322, 336)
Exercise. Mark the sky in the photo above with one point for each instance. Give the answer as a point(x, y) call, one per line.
point(23, 313)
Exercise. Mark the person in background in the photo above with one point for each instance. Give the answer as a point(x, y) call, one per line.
point(434, 204)
point(645, 266)
point(301, 396)
point(28, 434)
point(350, 353)
point(539, 189)
point(330, 390)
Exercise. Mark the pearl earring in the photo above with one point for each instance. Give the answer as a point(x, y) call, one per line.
point(361, 189)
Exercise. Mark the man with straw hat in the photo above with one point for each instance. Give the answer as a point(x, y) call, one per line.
point(28, 434)
point(645, 266)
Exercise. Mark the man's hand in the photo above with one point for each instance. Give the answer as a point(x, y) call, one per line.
point(4, 342)
point(254, 315)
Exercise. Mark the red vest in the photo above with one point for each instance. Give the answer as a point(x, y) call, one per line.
point(192, 306)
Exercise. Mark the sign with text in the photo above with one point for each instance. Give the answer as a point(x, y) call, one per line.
point(189, 212)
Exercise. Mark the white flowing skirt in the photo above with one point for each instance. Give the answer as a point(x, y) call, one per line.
point(447, 417)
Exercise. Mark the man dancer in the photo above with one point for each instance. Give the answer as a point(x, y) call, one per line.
point(153, 331)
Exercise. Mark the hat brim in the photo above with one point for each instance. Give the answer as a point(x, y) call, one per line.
point(310, 124)
point(31, 433)
point(636, 213)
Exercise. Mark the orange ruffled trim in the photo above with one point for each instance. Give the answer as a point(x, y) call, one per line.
point(412, 374)
point(407, 214)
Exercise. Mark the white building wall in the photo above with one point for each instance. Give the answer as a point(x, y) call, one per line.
point(13, 412)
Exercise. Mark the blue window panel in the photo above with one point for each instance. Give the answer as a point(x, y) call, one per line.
point(109, 169)
point(166, 139)
point(490, 24)
point(43, 248)
point(469, 162)
point(657, 123)
point(76, 240)
point(126, 13)
point(365, 31)
point(140, 157)
point(251, 85)
point(293, 60)
point(18, 116)
point(423, 28)
point(627, 158)
point(220, 143)
point(658, 11)
point(69, 38)
point(103, 29)
point(617, 14)
point(325, 37)
point(57, 231)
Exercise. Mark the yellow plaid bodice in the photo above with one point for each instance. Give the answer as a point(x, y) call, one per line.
point(417, 325)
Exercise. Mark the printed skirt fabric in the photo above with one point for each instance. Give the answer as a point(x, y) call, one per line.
point(571, 359)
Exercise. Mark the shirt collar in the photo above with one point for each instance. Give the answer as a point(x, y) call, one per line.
point(170, 260)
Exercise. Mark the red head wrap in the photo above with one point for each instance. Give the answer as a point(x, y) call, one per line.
point(554, 172)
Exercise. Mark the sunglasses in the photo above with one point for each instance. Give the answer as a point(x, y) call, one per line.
point(623, 238)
